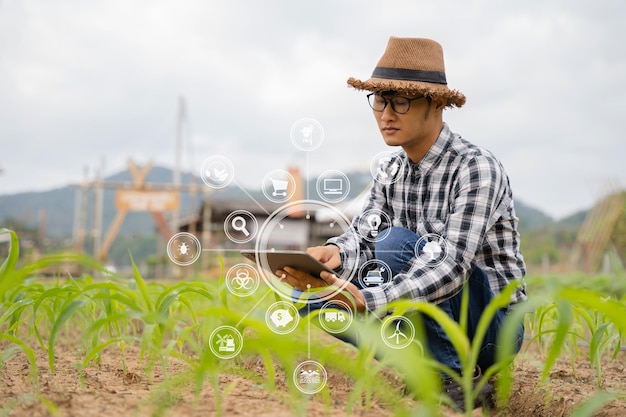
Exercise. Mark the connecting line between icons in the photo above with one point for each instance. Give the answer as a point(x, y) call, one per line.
point(307, 175)
point(251, 198)
point(306, 182)
point(253, 307)
point(308, 314)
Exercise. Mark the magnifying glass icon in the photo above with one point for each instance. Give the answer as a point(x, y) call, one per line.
point(239, 224)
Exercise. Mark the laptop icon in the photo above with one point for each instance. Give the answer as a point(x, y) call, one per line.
point(333, 186)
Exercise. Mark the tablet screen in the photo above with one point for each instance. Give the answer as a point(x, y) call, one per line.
point(278, 259)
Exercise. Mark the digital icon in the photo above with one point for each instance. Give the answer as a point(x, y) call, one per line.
point(277, 227)
point(217, 171)
point(333, 186)
point(225, 342)
point(397, 332)
point(282, 317)
point(372, 225)
point(335, 316)
point(307, 134)
point(374, 273)
point(278, 186)
point(310, 377)
point(385, 170)
point(373, 277)
point(385, 167)
point(242, 280)
point(431, 249)
point(374, 221)
point(183, 249)
point(240, 226)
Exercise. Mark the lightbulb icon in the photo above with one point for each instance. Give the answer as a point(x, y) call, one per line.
point(374, 220)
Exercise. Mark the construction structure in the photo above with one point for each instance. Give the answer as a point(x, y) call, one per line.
point(137, 196)
point(601, 240)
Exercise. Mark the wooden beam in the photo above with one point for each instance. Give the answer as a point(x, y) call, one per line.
point(111, 234)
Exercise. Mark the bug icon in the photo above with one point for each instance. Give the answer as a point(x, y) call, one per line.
point(183, 249)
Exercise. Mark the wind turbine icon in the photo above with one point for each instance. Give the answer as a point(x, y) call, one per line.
point(226, 342)
point(398, 333)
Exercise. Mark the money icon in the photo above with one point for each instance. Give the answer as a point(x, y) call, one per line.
point(281, 317)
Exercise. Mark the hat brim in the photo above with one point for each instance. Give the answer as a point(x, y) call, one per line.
point(378, 85)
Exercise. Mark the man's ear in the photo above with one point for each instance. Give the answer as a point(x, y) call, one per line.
point(440, 103)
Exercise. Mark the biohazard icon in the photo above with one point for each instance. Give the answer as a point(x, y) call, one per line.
point(242, 280)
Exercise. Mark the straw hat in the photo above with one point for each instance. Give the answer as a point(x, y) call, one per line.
point(411, 66)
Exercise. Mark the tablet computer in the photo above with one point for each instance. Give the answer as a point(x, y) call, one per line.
point(278, 259)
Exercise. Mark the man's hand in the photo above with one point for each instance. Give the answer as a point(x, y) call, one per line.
point(303, 281)
point(328, 255)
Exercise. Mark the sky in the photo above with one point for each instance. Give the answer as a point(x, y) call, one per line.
point(86, 85)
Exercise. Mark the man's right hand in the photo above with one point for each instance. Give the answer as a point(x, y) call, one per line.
point(328, 255)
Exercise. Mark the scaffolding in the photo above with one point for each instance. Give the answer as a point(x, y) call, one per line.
point(602, 234)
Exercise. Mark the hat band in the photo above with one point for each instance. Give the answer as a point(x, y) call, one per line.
point(404, 74)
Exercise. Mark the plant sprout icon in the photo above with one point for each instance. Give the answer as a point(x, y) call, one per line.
point(397, 333)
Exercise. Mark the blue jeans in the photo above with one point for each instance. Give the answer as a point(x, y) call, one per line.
point(396, 247)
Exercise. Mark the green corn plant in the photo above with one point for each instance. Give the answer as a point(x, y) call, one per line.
point(9, 279)
point(600, 337)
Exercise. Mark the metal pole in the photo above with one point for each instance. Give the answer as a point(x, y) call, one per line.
point(97, 213)
point(176, 174)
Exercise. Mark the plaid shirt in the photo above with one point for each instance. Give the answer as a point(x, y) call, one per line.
point(457, 191)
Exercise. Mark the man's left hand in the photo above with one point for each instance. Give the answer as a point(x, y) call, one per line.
point(303, 281)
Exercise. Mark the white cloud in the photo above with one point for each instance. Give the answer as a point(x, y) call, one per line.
point(86, 80)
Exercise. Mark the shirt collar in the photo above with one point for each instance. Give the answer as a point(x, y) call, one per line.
point(436, 151)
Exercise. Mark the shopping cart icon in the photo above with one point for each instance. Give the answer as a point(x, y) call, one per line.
point(280, 187)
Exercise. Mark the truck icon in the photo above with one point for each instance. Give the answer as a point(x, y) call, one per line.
point(333, 316)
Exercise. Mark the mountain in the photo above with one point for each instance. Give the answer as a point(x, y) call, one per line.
point(531, 218)
point(54, 210)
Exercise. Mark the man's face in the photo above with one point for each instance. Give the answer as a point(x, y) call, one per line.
point(415, 130)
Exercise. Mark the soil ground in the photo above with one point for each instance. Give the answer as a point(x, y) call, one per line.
point(106, 389)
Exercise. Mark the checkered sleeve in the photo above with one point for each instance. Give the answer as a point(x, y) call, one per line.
point(356, 244)
point(477, 199)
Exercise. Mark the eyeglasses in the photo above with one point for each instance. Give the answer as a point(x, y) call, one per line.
point(400, 105)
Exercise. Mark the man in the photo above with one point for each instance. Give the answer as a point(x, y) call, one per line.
point(437, 185)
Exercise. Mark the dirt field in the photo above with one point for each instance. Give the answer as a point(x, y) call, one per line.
point(107, 390)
